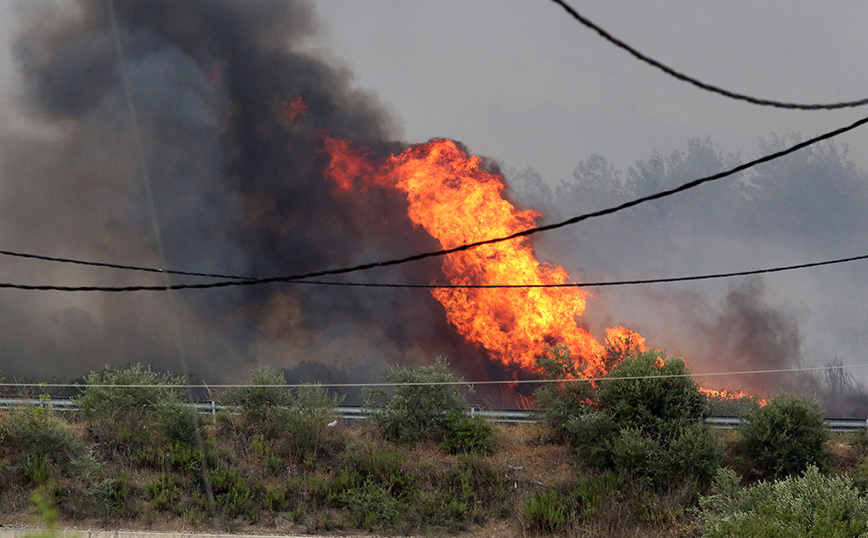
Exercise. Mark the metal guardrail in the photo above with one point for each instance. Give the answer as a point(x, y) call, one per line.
point(504, 416)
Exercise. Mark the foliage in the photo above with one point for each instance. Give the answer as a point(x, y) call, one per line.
point(177, 422)
point(467, 435)
point(41, 446)
point(545, 513)
point(421, 403)
point(783, 438)
point(644, 420)
point(118, 403)
point(271, 412)
point(661, 401)
point(811, 505)
point(720, 406)
point(262, 404)
point(562, 402)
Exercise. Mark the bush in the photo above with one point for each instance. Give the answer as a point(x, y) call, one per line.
point(661, 402)
point(307, 420)
point(41, 446)
point(414, 411)
point(121, 416)
point(260, 406)
point(562, 402)
point(467, 435)
point(644, 420)
point(270, 411)
point(811, 505)
point(545, 513)
point(783, 438)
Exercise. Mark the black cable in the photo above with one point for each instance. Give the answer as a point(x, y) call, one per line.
point(444, 286)
point(698, 83)
point(238, 281)
point(593, 284)
point(117, 266)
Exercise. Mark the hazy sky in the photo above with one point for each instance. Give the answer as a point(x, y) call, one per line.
point(524, 83)
point(519, 82)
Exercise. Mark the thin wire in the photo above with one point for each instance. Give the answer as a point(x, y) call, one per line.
point(74, 261)
point(589, 284)
point(447, 383)
point(244, 281)
point(158, 238)
point(601, 283)
point(698, 83)
point(450, 286)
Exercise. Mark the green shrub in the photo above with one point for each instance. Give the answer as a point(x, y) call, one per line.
point(307, 420)
point(562, 402)
point(467, 435)
point(276, 498)
point(260, 406)
point(783, 438)
point(414, 411)
point(693, 453)
point(232, 494)
point(545, 513)
point(643, 420)
point(591, 495)
point(42, 446)
point(122, 416)
point(177, 422)
point(271, 411)
point(592, 435)
point(662, 400)
point(637, 455)
point(811, 505)
point(166, 492)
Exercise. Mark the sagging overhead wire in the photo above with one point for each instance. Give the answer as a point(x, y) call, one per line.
point(73, 261)
point(698, 83)
point(245, 281)
point(601, 283)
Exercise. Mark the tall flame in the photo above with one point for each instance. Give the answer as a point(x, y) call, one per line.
point(457, 201)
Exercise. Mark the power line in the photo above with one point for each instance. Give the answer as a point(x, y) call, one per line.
point(443, 383)
point(698, 83)
point(244, 281)
point(74, 261)
point(591, 284)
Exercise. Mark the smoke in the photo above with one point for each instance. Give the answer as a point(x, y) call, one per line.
point(743, 334)
point(799, 209)
point(237, 187)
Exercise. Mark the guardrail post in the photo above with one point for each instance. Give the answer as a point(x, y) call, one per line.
point(213, 408)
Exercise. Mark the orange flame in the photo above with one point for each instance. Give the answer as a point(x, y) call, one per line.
point(457, 201)
point(730, 395)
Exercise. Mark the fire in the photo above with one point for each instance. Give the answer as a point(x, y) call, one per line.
point(729, 395)
point(294, 108)
point(457, 201)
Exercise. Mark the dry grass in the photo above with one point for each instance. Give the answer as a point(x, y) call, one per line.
point(526, 455)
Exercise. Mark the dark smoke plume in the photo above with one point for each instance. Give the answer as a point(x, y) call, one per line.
point(746, 335)
point(238, 188)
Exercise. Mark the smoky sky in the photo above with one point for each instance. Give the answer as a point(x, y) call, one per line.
point(807, 207)
point(237, 186)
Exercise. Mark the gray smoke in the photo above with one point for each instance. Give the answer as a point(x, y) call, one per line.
point(238, 189)
point(806, 207)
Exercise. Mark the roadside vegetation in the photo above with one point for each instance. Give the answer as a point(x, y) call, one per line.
point(628, 455)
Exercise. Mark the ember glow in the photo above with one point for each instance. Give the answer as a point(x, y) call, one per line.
point(294, 109)
point(457, 201)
